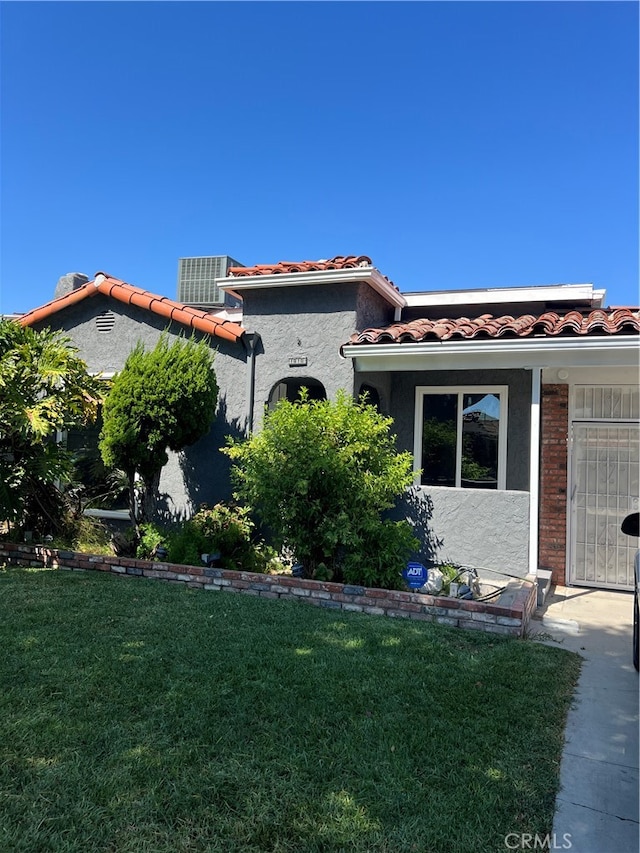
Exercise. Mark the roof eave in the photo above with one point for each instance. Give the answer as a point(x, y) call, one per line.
point(237, 285)
point(619, 350)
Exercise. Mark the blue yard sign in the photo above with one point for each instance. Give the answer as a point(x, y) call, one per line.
point(415, 575)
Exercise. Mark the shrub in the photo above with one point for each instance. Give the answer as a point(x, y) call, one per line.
point(320, 474)
point(226, 529)
point(161, 400)
point(386, 545)
point(150, 539)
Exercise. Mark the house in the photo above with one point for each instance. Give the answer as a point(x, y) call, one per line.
point(520, 405)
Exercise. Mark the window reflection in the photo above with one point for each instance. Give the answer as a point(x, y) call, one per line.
point(460, 440)
point(480, 424)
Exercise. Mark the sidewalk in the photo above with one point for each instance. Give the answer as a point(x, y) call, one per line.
point(597, 806)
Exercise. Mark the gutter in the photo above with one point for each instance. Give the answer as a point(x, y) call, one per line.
point(499, 352)
point(235, 285)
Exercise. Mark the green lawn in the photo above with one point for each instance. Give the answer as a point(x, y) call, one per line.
point(142, 716)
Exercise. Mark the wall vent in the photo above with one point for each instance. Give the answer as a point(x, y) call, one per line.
point(197, 277)
point(105, 321)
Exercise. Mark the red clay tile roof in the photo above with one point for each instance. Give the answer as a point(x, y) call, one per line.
point(621, 321)
point(192, 318)
point(340, 262)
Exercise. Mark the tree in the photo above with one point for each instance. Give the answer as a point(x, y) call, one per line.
point(44, 388)
point(162, 400)
point(320, 474)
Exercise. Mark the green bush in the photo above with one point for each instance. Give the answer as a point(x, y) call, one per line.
point(385, 548)
point(150, 539)
point(320, 474)
point(226, 529)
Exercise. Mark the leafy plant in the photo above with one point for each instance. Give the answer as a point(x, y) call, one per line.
point(450, 572)
point(320, 474)
point(382, 556)
point(150, 539)
point(226, 529)
point(44, 388)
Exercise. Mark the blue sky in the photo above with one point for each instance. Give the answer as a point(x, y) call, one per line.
point(459, 145)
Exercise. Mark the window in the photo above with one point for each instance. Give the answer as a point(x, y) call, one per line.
point(461, 437)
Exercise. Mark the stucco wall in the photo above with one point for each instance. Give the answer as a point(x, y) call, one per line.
point(402, 409)
point(106, 352)
point(307, 323)
point(474, 527)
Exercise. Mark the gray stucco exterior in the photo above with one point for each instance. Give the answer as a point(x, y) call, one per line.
point(312, 323)
point(481, 528)
point(201, 473)
point(475, 527)
point(297, 332)
point(402, 408)
point(308, 324)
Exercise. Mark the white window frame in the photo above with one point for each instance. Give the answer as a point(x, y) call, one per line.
point(460, 390)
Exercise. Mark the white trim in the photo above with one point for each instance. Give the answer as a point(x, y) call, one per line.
point(235, 286)
point(534, 470)
point(422, 390)
point(605, 375)
point(115, 514)
point(609, 351)
point(486, 296)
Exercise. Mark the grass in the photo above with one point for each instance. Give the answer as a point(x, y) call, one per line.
point(141, 716)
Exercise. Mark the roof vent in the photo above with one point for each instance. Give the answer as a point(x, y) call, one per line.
point(70, 281)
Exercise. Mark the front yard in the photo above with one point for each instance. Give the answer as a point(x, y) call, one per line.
point(142, 716)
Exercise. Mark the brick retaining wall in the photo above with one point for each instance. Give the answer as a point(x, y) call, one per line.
point(510, 619)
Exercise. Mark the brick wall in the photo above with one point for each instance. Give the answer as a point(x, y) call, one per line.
point(511, 620)
point(554, 430)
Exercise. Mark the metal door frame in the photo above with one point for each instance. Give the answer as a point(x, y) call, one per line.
point(571, 503)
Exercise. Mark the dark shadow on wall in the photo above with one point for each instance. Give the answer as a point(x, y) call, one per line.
point(417, 508)
point(205, 469)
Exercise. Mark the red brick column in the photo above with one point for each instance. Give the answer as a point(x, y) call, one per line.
point(554, 432)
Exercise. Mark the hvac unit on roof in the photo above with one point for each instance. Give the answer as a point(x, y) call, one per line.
point(197, 277)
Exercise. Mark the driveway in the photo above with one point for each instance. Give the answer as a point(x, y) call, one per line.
point(597, 806)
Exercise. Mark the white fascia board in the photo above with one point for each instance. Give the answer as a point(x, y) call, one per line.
point(236, 286)
point(465, 355)
point(540, 293)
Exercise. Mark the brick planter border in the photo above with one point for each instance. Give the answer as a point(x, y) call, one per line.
point(510, 619)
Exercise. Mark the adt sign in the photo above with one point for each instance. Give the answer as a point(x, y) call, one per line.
point(415, 575)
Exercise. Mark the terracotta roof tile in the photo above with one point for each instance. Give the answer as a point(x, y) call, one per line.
point(620, 321)
point(192, 318)
point(340, 262)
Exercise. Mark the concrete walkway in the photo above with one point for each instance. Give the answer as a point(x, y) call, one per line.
point(597, 806)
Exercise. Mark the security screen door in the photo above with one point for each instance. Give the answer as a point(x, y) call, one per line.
point(605, 466)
